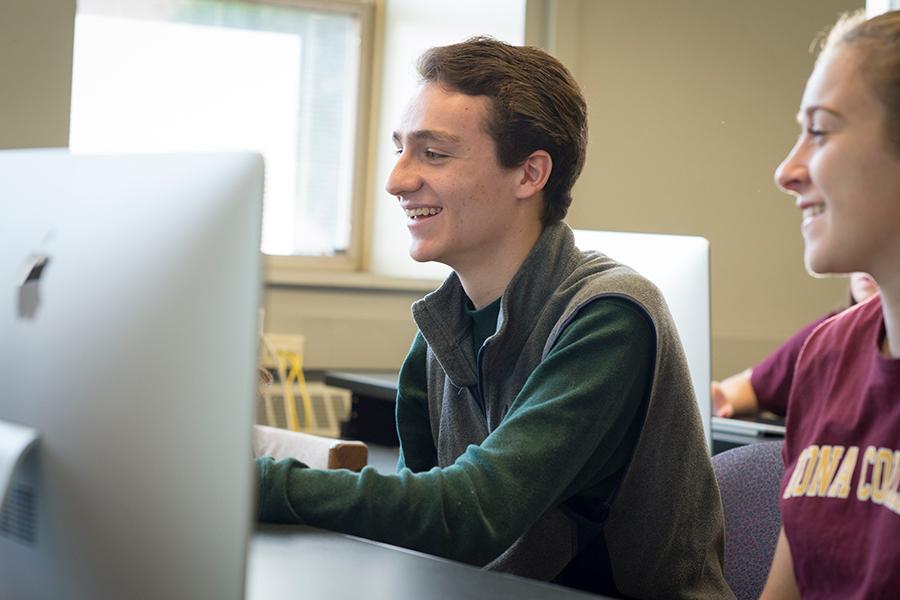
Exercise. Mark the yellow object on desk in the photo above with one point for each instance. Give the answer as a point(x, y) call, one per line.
point(285, 353)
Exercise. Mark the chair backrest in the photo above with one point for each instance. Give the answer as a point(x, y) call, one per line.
point(749, 480)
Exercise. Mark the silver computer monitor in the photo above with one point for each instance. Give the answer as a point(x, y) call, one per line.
point(129, 288)
point(679, 266)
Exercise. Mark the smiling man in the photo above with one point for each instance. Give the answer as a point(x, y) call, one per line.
point(546, 417)
point(462, 205)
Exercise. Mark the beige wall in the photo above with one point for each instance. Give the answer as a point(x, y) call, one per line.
point(361, 329)
point(691, 110)
point(35, 72)
point(692, 107)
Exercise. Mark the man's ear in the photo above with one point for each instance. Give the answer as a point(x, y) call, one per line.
point(535, 172)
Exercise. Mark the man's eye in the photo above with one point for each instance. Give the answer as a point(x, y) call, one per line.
point(432, 155)
point(398, 151)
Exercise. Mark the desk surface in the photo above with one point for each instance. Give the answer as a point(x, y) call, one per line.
point(288, 561)
point(380, 385)
point(730, 432)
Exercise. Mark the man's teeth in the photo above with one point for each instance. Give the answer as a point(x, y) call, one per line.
point(421, 212)
point(812, 211)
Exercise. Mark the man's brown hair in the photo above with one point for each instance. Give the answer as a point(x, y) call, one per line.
point(535, 105)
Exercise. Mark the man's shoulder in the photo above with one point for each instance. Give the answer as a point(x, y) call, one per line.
point(601, 276)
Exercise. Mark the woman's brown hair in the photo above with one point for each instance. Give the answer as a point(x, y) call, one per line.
point(878, 42)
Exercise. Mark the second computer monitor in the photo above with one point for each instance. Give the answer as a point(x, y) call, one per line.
point(679, 266)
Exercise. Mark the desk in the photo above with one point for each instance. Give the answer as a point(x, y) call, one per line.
point(374, 395)
point(731, 433)
point(373, 403)
point(381, 385)
point(289, 561)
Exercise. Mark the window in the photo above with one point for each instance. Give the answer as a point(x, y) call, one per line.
point(288, 79)
point(411, 27)
point(876, 7)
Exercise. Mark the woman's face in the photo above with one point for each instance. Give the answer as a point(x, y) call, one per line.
point(844, 175)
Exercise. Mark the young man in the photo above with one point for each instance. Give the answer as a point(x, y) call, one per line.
point(546, 417)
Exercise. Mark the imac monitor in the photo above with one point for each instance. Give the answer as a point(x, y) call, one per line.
point(679, 266)
point(129, 288)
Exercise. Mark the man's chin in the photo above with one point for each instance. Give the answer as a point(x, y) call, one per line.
point(421, 253)
point(419, 258)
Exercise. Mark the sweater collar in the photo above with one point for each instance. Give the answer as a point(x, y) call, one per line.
point(441, 315)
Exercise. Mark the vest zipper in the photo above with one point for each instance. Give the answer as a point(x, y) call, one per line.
point(479, 393)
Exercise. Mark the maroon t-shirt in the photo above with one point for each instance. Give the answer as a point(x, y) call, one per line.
point(840, 501)
point(771, 379)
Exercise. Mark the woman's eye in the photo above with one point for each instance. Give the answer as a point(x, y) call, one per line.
point(818, 135)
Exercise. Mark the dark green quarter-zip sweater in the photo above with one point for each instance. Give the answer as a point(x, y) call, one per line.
point(568, 447)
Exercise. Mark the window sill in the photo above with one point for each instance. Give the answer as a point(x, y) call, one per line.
point(350, 281)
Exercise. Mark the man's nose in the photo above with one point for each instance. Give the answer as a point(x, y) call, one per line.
point(403, 179)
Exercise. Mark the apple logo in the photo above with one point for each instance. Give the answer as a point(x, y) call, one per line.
point(29, 285)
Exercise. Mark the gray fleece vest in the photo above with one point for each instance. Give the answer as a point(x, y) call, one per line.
point(665, 528)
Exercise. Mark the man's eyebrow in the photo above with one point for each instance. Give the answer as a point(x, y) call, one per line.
point(429, 135)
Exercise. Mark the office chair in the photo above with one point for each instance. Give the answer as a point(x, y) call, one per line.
point(749, 480)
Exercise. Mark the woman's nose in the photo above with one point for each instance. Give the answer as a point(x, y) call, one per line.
point(793, 172)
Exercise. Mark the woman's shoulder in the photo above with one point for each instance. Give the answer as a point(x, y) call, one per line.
point(846, 342)
point(850, 324)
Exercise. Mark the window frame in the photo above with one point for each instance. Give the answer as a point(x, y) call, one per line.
point(294, 269)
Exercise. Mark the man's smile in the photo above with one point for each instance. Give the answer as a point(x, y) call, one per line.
point(424, 211)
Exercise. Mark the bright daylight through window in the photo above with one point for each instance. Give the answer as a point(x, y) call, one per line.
point(198, 75)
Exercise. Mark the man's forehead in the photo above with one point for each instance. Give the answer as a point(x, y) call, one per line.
point(439, 113)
